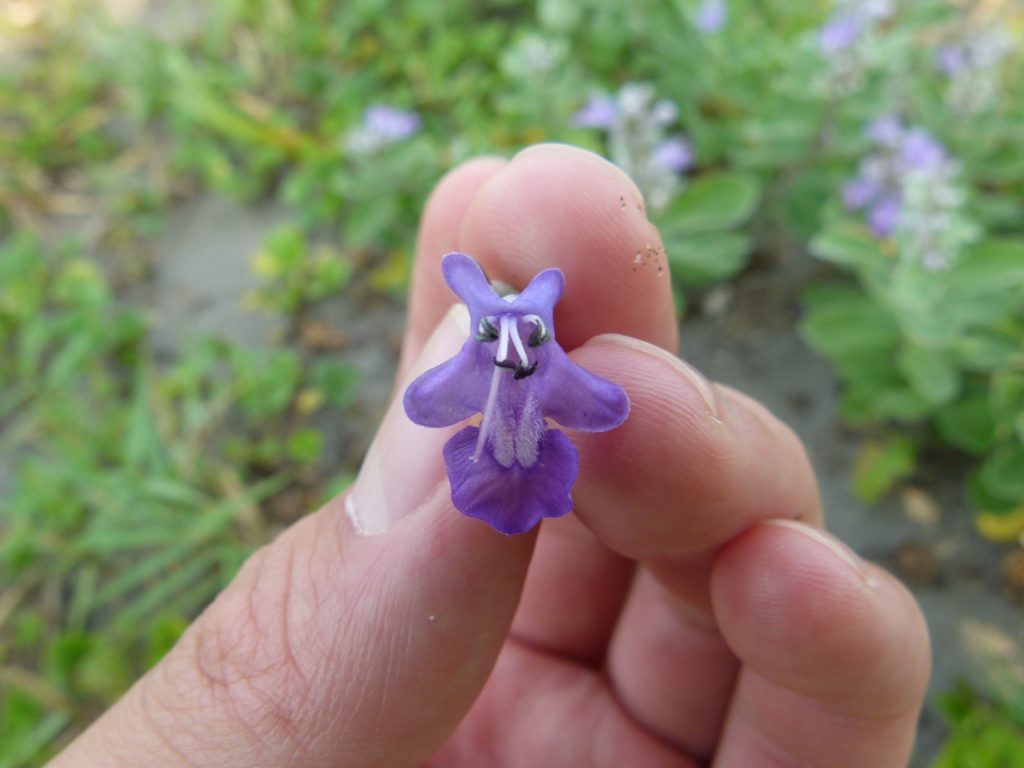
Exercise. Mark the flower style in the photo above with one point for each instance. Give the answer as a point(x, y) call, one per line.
point(512, 470)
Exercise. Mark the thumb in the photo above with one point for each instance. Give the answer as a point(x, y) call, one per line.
point(339, 644)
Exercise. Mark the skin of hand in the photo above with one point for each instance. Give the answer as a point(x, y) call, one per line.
point(691, 612)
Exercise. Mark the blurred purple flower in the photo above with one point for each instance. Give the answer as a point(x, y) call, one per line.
point(390, 123)
point(860, 191)
point(879, 184)
point(711, 16)
point(951, 59)
point(920, 151)
point(599, 112)
point(886, 130)
point(884, 215)
point(382, 125)
point(513, 470)
point(839, 33)
point(675, 154)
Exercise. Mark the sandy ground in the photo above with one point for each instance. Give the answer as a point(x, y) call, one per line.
point(748, 342)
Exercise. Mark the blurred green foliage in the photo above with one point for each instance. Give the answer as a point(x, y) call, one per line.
point(132, 486)
point(986, 734)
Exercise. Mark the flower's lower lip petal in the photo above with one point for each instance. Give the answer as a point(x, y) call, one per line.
point(511, 500)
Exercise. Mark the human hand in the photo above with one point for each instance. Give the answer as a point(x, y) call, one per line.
point(691, 611)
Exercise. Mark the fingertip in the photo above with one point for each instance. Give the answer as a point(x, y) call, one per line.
point(692, 468)
point(804, 612)
point(560, 206)
point(439, 234)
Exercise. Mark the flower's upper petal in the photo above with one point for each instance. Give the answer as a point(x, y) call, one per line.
point(453, 391)
point(573, 396)
point(467, 280)
point(541, 295)
point(511, 499)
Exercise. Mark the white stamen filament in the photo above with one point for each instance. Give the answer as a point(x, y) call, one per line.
point(485, 424)
point(503, 340)
point(518, 343)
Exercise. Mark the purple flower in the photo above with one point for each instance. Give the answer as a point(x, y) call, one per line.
point(951, 59)
point(920, 151)
point(839, 33)
point(859, 192)
point(887, 130)
point(389, 123)
point(512, 470)
point(599, 112)
point(885, 215)
point(674, 154)
point(711, 16)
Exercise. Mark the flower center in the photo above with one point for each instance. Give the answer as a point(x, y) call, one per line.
point(511, 353)
point(505, 330)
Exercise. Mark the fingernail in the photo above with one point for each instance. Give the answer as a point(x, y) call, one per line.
point(404, 463)
point(834, 545)
point(695, 378)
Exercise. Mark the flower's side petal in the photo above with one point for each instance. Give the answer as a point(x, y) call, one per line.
point(541, 295)
point(576, 398)
point(453, 391)
point(511, 500)
point(467, 280)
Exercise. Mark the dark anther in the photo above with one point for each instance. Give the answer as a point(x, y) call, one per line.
point(523, 372)
point(539, 336)
point(486, 331)
point(506, 364)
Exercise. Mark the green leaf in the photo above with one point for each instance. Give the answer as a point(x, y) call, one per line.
point(337, 379)
point(368, 221)
point(984, 351)
point(991, 266)
point(849, 324)
point(164, 632)
point(929, 374)
point(984, 498)
point(847, 244)
point(1006, 392)
point(143, 447)
point(708, 257)
point(881, 465)
point(1002, 474)
point(719, 201)
point(305, 445)
point(804, 200)
point(968, 424)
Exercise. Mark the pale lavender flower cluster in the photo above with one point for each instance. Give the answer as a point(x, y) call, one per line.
point(971, 63)
point(847, 40)
point(636, 124)
point(908, 189)
point(711, 16)
point(851, 20)
point(382, 125)
point(534, 56)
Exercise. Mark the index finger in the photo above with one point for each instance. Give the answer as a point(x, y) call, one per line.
point(551, 206)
